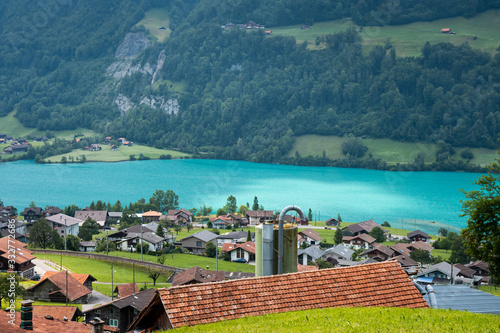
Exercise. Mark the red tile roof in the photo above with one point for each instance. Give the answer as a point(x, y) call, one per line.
point(22, 254)
point(76, 290)
point(247, 246)
point(57, 312)
point(306, 268)
point(228, 247)
point(43, 325)
point(125, 290)
point(78, 277)
point(311, 234)
point(196, 275)
point(421, 246)
point(365, 237)
point(382, 284)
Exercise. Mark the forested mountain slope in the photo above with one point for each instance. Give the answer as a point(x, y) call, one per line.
point(240, 93)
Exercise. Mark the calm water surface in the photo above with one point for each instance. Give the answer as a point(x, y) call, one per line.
point(424, 200)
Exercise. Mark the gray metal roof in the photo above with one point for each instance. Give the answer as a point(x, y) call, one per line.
point(203, 235)
point(312, 251)
point(235, 235)
point(461, 297)
point(60, 218)
point(340, 250)
point(443, 267)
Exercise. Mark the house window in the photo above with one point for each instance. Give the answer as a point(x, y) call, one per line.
point(113, 322)
point(111, 311)
point(198, 243)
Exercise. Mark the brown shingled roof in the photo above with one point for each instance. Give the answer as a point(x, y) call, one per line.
point(21, 253)
point(383, 284)
point(313, 234)
point(58, 312)
point(43, 325)
point(78, 277)
point(75, 288)
point(125, 290)
point(197, 275)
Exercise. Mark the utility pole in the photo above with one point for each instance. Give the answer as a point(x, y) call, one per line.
point(133, 272)
point(216, 254)
point(65, 232)
point(107, 247)
point(141, 240)
point(66, 287)
point(111, 280)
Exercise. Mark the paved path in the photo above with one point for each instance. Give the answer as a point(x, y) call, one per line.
point(42, 267)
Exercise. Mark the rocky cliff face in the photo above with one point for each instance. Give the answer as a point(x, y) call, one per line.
point(123, 66)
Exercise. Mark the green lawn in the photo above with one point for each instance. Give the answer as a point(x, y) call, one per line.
point(481, 32)
point(18, 305)
point(495, 290)
point(122, 154)
point(106, 288)
point(360, 319)
point(442, 253)
point(13, 127)
point(101, 270)
point(184, 260)
point(391, 151)
point(155, 19)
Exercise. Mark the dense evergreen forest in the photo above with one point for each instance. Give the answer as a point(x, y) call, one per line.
point(244, 94)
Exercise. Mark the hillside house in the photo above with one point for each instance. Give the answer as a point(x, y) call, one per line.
point(378, 252)
point(180, 216)
point(308, 236)
point(88, 246)
point(31, 214)
point(151, 216)
point(197, 275)
point(121, 312)
point(197, 242)
point(364, 227)
point(94, 147)
point(129, 244)
point(256, 217)
point(54, 288)
point(51, 211)
point(245, 251)
point(339, 252)
point(129, 232)
point(441, 273)
point(445, 30)
point(332, 222)
point(22, 257)
point(234, 237)
point(64, 224)
point(361, 241)
point(221, 222)
point(419, 236)
point(311, 254)
point(100, 216)
point(382, 284)
point(404, 248)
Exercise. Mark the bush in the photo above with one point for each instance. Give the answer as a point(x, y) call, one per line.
point(354, 147)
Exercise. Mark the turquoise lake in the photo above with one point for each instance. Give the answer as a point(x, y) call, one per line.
point(423, 200)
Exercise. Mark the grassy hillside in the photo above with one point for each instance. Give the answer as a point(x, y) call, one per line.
point(13, 127)
point(359, 320)
point(122, 154)
point(155, 19)
point(388, 150)
point(481, 32)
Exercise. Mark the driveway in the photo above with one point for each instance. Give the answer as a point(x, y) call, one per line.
point(42, 267)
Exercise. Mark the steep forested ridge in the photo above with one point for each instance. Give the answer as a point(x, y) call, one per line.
point(243, 94)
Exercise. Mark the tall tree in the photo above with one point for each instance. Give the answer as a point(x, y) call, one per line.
point(249, 236)
point(255, 205)
point(482, 207)
point(379, 234)
point(117, 207)
point(41, 234)
point(72, 243)
point(459, 252)
point(164, 200)
point(89, 228)
point(159, 231)
point(9, 285)
point(310, 214)
point(231, 204)
point(210, 250)
point(338, 238)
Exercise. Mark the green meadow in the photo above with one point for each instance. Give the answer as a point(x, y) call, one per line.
point(480, 31)
point(121, 154)
point(391, 151)
point(155, 19)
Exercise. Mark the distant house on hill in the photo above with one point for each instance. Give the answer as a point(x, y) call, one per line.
point(94, 147)
point(446, 30)
point(418, 235)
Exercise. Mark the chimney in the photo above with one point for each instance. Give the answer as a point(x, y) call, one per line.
point(96, 325)
point(27, 315)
